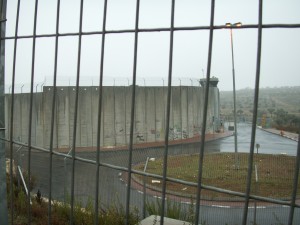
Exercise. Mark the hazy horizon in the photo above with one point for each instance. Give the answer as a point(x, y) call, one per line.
point(280, 46)
point(25, 87)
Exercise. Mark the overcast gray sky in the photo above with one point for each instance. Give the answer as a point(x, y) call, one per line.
point(280, 51)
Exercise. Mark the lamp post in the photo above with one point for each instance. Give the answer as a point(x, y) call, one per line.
point(230, 25)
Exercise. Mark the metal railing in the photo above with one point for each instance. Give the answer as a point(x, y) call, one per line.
point(96, 162)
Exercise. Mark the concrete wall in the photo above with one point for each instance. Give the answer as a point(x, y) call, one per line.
point(150, 115)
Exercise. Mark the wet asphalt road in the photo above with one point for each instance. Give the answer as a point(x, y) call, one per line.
point(113, 189)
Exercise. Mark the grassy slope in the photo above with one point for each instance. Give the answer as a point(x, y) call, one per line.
point(275, 173)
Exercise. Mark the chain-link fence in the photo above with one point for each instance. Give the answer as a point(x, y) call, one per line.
point(83, 136)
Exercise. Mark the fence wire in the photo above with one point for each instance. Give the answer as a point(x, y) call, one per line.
point(73, 173)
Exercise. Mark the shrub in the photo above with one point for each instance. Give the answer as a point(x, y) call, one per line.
point(174, 210)
point(114, 214)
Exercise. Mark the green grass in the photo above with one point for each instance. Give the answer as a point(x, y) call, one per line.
point(275, 174)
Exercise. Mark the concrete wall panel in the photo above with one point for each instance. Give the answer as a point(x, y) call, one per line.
point(150, 114)
point(140, 115)
point(120, 94)
point(149, 122)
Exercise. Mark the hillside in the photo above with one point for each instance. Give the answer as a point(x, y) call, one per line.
point(275, 103)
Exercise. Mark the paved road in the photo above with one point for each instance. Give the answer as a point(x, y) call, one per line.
point(269, 143)
point(112, 189)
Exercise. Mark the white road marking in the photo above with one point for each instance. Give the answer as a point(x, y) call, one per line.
point(221, 206)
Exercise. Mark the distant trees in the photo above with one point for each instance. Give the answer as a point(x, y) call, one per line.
point(261, 112)
point(281, 117)
point(240, 112)
point(279, 106)
point(285, 121)
point(271, 111)
point(295, 121)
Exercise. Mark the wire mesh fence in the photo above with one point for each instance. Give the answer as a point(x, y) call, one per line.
point(145, 145)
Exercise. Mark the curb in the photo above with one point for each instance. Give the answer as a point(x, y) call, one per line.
point(291, 136)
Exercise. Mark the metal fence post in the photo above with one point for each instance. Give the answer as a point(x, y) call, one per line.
point(295, 183)
point(144, 189)
point(255, 190)
point(3, 188)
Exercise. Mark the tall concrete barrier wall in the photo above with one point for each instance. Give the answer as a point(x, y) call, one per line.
point(149, 121)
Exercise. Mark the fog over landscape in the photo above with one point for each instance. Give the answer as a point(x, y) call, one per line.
point(280, 46)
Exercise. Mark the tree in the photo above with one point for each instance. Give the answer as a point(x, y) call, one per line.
point(281, 113)
point(240, 112)
point(271, 111)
